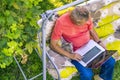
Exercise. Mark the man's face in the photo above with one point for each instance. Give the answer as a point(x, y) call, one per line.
point(80, 22)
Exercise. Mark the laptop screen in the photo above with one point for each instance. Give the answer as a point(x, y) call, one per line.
point(90, 54)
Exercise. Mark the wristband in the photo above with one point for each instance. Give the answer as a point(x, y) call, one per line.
point(99, 42)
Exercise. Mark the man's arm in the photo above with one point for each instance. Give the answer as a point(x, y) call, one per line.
point(94, 35)
point(54, 45)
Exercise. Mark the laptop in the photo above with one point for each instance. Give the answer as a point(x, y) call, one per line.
point(93, 54)
point(101, 59)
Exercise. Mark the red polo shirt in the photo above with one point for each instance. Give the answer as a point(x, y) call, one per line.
point(75, 34)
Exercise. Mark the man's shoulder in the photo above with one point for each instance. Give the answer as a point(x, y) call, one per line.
point(64, 17)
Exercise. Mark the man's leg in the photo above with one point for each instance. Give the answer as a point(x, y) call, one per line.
point(107, 68)
point(85, 73)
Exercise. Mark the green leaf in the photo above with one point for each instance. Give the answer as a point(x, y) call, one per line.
point(13, 35)
point(1, 56)
point(13, 27)
point(8, 52)
point(14, 14)
point(7, 13)
point(16, 6)
point(29, 14)
point(10, 20)
point(29, 47)
point(12, 44)
point(8, 61)
point(2, 20)
point(24, 37)
point(3, 42)
point(3, 65)
point(19, 51)
point(20, 44)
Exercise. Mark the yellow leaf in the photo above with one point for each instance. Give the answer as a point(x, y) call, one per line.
point(16, 6)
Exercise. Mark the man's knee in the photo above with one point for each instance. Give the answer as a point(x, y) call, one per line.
point(110, 62)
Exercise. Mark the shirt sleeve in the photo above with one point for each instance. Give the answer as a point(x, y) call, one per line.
point(57, 31)
point(90, 24)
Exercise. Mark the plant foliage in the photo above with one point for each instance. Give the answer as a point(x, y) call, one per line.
point(18, 28)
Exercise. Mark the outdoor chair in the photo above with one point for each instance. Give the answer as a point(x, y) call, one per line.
point(106, 18)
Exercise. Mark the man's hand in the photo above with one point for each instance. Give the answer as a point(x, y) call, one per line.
point(76, 56)
point(102, 45)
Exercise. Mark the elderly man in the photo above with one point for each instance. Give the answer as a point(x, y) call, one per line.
point(76, 27)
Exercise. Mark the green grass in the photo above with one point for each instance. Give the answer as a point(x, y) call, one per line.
point(116, 75)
